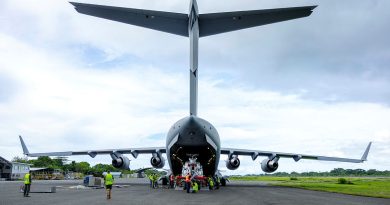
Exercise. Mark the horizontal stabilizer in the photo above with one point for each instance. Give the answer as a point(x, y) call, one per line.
point(215, 23)
point(169, 22)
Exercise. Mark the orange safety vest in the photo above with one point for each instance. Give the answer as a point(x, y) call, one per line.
point(187, 178)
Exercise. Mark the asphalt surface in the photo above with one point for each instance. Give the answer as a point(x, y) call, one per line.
point(137, 191)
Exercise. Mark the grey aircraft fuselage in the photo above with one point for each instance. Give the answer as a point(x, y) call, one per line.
point(193, 135)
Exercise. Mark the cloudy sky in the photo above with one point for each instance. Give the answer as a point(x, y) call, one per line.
point(316, 85)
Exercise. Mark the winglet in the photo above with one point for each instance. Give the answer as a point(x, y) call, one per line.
point(25, 150)
point(364, 157)
point(73, 3)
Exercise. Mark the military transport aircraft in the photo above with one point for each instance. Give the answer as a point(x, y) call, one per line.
point(192, 135)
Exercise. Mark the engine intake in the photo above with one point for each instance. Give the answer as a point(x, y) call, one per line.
point(157, 161)
point(269, 166)
point(121, 162)
point(233, 163)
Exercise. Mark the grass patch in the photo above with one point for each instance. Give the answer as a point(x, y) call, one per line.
point(362, 186)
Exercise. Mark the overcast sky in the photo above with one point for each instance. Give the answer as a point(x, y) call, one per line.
point(316, 85)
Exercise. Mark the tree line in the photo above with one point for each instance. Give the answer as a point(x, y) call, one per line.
point(63, 164)
point(335, 172)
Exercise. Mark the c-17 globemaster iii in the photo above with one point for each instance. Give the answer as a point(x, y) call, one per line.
point(193, 136)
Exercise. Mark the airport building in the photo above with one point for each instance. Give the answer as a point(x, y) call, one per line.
point(12, 170)
point(45, 173)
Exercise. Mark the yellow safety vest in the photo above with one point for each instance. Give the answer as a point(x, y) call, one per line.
point(195, 187)
point(211, 182)
point(109, 179)
point(27, 179)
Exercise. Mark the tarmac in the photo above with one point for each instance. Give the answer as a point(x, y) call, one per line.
point(137, 191)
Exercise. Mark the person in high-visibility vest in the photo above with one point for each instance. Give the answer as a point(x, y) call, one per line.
point(27, 184)
point(108, 181)
point(154, 181)
point(211, 183)
point(195, 187)
point(150, 176)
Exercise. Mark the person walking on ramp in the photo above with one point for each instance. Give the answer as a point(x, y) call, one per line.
point(27, 184)
point(108, 181)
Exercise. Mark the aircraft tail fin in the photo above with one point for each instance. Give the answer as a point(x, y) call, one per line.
point(215, 23)
point(25, 150)
point(364, 157)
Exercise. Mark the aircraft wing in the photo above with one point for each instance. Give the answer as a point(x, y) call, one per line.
point(271, 155)
point(175, 23)
point(93, 153)
point(214, 23)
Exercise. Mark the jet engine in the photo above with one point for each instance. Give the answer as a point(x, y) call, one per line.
point(157, 161)
point(120, 162)
point(233, 163)
point(269, 166)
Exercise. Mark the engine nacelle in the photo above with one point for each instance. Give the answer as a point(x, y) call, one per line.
point(233, 163)
point(157, 161)
point(121, 162)
point(269, 166)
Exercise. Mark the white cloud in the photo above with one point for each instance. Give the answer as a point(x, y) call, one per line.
point(58, 101)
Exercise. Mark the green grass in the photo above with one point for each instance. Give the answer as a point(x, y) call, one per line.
point(362, 186)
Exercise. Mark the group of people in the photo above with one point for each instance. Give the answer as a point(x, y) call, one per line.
point(154, 178)
point(212, 182)
point(109, 181)
point(191, 183)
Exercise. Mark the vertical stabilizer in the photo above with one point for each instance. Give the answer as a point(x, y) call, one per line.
point(193, 31)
